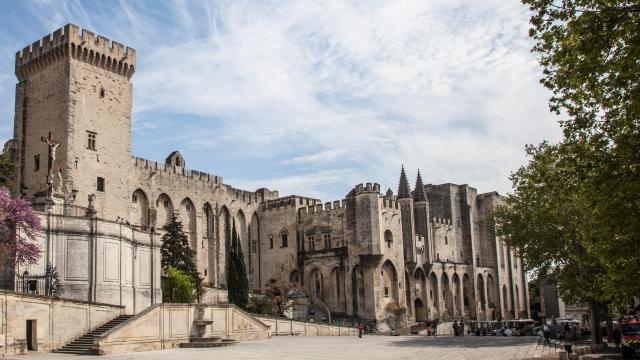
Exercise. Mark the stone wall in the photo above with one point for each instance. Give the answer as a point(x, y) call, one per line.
point(57, 322)
point(284, 327)
point(101, 261)
point(214, 296)
point(165, 326)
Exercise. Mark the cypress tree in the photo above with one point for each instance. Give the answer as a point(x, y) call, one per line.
point(177, 253)
point(238, 284)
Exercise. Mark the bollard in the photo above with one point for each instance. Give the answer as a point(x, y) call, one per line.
point(563, 355)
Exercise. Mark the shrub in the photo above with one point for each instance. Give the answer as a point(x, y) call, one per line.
point(177, 287)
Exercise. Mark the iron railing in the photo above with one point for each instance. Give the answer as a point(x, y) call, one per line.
point(35, 284)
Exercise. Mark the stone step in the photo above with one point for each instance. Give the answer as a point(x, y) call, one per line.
point(72, 345)
point(74, 352)
point(75, 349)
point(84, 344)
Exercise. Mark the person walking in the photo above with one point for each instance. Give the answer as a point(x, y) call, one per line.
point(359, 327)
point(547, 333)
point(617, 337)
point(434, 329)
point(455, 327)
point(461, 327)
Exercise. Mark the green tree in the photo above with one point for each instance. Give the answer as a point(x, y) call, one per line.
point(237, 281)
point(177, 253)
point(576, 205)
point(6, 170)
point(177, 287)
point(549, 221)
point(589, 51)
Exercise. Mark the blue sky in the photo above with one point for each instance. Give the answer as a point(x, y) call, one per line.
point(313, 97)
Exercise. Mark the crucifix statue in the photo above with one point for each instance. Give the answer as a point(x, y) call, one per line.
point(53, 145)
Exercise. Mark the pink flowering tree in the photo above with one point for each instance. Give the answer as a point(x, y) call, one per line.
point(18, 226)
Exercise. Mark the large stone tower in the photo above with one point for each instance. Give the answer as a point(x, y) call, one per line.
point(74, 88)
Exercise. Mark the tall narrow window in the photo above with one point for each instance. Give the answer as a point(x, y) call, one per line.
point(270, 241)
point(103, 92)
point(100, 184)
point(285, 239)
point(327, 241)
point(36, 163)
point(312, 242)
point(91, 140)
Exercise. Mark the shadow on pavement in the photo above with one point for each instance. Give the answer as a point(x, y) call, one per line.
point(464, 342)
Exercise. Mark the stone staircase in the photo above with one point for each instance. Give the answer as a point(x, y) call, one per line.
point(547, 350)
point(83, 345)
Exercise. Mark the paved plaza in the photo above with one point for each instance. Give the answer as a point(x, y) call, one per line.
point(347, 348)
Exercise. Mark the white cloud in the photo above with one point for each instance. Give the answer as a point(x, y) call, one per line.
point(317, 185)
point(310, 87)
point(324, 156)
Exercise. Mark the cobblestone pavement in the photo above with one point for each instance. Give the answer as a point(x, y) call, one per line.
point(347, 348)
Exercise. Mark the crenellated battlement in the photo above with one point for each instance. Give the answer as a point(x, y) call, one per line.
point(326, 208)
point(80, 44)
point(289, 202)
point(156, 166)
point(367, 188)
point(162, 169)
point(390, 203)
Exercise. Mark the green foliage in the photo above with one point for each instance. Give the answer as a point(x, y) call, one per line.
point(260, 304)
point(237, 281)
point(589, 51)
point(6, 170)
point(550, 223)
point(177, 287)
point(576, 205)
point(177, 253)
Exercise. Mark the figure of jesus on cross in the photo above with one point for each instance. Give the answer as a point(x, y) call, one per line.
point(53, 145)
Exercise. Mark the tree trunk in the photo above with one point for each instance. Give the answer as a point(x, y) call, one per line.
point(596, 332)
point(609, 330)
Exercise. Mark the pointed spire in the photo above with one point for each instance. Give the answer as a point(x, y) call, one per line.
point(418, 193)
point(404, 192)
point(389, 193)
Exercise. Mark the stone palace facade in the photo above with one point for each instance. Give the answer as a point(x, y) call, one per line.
point(430, 253)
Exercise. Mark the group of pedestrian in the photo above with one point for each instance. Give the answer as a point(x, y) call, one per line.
point(362, 328)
